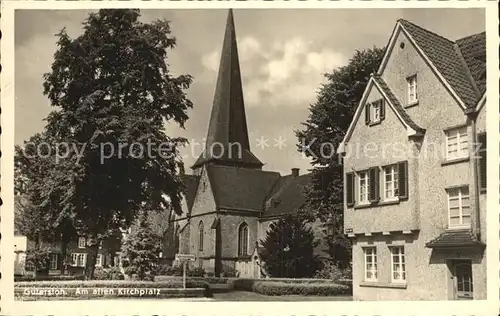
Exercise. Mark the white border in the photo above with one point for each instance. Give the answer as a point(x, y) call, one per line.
point(158, 307)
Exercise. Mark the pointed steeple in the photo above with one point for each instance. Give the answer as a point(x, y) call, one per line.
point(227, 138)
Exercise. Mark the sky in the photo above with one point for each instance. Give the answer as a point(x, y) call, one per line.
point(283, 57)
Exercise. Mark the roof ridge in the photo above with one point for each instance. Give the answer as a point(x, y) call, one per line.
point(469, 36)
point(418, 26)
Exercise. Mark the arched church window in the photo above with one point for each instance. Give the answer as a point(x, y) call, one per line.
point(243, 240)
point(200, 241)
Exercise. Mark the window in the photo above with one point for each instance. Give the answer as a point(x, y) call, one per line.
point(463, 279)
point(459, 211)
point(412, 89)
point(398, 264)
point(53, 261)
point(78, 259)
point(370, 264)
point(243, 240)
point(364, 186)
point(201, 234)
point(81, 242)
point(374, 112)
point(482, 161)
point(457, 145)
point(378, 111)
point(391, 184)
point(98, 260)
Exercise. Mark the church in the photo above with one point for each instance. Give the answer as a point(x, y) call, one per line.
point(230, 201)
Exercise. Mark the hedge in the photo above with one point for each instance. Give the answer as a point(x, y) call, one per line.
point(290, 286)
point(210, 280)
point(175, 283)
point(30, 278)
point(33, 294)
point(243, 284)
point(281, 288)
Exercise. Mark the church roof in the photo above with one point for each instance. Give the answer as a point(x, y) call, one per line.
point(240, 188)
point(228, 124)
point(287, 195)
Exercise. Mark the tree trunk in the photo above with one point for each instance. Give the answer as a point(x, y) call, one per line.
point(91, 260)
point(64, 252)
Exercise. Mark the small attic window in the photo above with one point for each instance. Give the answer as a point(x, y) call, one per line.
point(402, 45)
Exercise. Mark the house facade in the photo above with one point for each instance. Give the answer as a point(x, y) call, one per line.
point(76, 252)
point(230, 200)
point(414, 162)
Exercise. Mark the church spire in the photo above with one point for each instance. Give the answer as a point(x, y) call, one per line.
point(227, 138)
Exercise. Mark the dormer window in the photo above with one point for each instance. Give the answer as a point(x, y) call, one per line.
point(412, 89)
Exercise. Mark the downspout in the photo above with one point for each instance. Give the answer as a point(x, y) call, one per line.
point(472, 116)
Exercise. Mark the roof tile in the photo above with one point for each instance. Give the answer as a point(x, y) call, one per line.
point(459, 238)
point(444, 56)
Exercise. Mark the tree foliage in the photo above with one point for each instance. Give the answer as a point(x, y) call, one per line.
point(326, 126)
point(113, 95)
point(289, 248)
point(141, 250)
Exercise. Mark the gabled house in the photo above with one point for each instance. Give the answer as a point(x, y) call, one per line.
point(415, 171)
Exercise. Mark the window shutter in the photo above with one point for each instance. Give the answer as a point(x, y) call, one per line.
point(367, 113)
point(382, 109)
point(482, 161)
point(374, 184)
point(403, 179)
point(350, 189)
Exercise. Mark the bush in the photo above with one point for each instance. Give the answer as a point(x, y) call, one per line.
point(38, 260)
point(247, 284)
point(196, 272)
point(333, 272)
point(210, 274)
point(210, 280)
point(174, 283)
point(29, 278)
point(163, 269)
point(229, 274)
point(174, 271)
point(112, 273)
point(282, 288)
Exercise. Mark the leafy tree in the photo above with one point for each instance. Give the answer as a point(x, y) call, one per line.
point(40, 220)
point(328, 121)
point(289, 248)
point(141, 250)
point(113, 95)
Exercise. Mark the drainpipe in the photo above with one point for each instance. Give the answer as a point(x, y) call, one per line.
point(472, 116)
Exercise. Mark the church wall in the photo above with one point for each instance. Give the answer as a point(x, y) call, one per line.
point(205, 255)
point(229, 232)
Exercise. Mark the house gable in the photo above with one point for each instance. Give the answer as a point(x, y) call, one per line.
point(379, 138)
point(392, 106)
point(440, 55)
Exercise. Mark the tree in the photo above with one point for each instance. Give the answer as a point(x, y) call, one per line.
point(328, 121)
point(37, 218)
point(141, 250)
point(113, 95)
point(289, 248)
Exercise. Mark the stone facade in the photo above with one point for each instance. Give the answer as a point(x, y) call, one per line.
point(434, 250)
